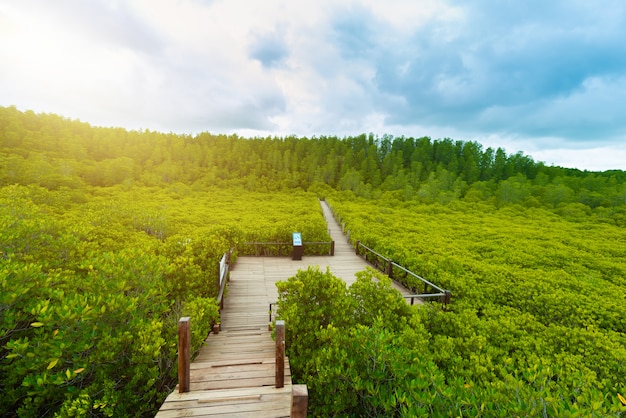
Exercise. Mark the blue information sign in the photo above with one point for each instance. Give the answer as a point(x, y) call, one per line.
point(297, 239)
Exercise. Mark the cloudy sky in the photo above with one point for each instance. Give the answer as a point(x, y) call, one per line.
point(544, 77)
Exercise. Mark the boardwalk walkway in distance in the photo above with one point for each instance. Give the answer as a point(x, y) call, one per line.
point(233, 375)
point(253, 280)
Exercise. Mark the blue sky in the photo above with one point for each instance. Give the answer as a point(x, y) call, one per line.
point(545, 78)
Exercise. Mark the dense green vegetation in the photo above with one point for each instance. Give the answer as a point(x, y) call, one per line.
point(364, 352)
point(108, 236)
point(94, 280)
point(532, 290)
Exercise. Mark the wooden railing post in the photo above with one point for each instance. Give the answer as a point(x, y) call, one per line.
point(184, 354)
point(356, 247)
point(280, 354)
point(219, 279)
point(332, 248)
point(299, 401)
point(390, 268)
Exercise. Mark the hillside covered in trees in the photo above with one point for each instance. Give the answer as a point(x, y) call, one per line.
point(107, 236)
point(54, 152)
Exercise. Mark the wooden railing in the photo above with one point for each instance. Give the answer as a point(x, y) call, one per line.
point(184, 354)
point(272, 312)
point(299, 393)
point(224, 269)
point(397, 272)
point(284, 249)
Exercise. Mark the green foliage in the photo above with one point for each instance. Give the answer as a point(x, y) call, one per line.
point(57, 153)
point(93, 287)
point(204, 313)
point(530, 314)
point(351, 346)
point(374, 299)
point(429, 362)
point(372, 371)
point(322, 297)
point(70, 335)
point(108, 236)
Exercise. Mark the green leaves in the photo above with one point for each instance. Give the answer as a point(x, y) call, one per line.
point(92, 279)
point(530, 310)
point(353, 347)
point(91, 287)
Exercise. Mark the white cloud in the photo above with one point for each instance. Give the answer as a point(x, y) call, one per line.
point(539, 77)
point(592, 159)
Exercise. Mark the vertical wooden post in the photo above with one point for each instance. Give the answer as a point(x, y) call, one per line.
point(280, 354)
point(299, 401)
point(219, 285)
point(332, 248)
point(447, 297)
point(390, 268)
point(356, 247)
point(184, 354)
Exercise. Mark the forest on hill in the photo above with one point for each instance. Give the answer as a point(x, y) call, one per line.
point(107, 236)
point(54, 152)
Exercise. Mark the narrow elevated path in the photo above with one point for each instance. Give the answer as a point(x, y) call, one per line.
point(253, 280)
point(233, 375)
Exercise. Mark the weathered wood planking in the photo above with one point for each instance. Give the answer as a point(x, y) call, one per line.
point(234, 373)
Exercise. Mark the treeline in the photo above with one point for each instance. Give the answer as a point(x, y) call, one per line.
point(55, 152)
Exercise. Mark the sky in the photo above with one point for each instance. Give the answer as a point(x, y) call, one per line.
point(547, 78)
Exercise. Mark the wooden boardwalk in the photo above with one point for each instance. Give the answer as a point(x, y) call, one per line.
point(233, 374)
point(253, 280)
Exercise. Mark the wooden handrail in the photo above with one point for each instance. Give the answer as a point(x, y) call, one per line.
point(389, 264)
point(272, 305)
point(426, 282)
point(223, 270)
point(283, 248)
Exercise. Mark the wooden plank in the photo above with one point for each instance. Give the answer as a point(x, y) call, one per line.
point(239, 346)
point(232, 357)
point(234, 372)
point(226, 384)
point(222, 358)
point(215, 403)
point(227, 362)
point(243, 338)
point(209, 375)
point(258, 409)
point(226, 393)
